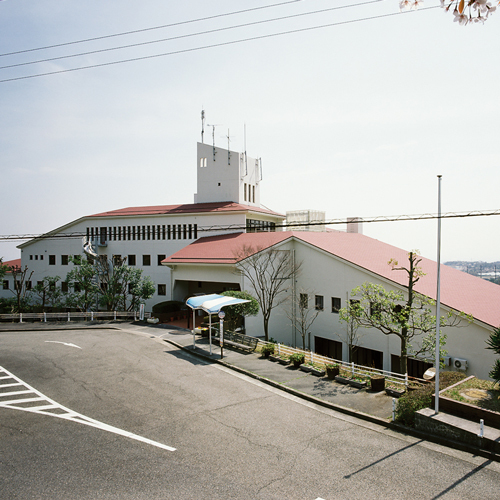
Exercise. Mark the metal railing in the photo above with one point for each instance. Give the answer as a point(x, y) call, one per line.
point(69, 316)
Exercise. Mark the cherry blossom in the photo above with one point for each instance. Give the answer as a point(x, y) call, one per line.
point(464, 11)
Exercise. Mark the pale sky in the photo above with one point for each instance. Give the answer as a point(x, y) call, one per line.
point(355, 119)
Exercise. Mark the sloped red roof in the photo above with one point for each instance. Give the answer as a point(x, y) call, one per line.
point(13, 263)
point(459, 290)
point(218, 207)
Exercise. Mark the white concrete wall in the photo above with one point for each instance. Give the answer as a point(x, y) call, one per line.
point(235, 178)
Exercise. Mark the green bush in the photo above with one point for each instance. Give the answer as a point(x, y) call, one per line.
point(297, 357)
point(267, 349)
point(412, 401)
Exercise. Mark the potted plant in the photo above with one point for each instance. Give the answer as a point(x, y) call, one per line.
point(267, 350)
point(297, 359)
point(332, 370)
point(394, 392)
point(377, 383)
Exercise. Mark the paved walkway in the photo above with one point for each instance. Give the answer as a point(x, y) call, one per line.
point(365, 401)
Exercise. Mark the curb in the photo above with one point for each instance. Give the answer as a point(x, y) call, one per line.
point(348, 411)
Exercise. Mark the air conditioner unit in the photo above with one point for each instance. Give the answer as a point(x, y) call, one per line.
point(460, 364)
point(446, 361)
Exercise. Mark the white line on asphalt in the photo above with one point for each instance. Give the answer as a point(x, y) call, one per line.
point(49, 404)
point(64, 343)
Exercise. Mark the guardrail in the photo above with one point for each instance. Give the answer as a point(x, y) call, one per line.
point(68, 316)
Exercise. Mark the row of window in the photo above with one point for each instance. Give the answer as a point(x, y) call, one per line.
point(151, 232)
point(257, 226)
point(130, 260)
point(250, 195)
point(162, 288)
point(319, 302)
point(36, 257)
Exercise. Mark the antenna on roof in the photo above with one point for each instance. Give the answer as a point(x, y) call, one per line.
point(228, 137)
point(213, 135)
point(202, 124)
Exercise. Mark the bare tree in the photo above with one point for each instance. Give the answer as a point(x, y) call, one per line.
point(301, 315)
point(22, 285)
point(268, 272)
point(350, 315)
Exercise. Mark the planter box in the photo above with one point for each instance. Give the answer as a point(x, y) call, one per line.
point(283, 361)
point(342, 380)
point(357, 384)
point(394, 393)
point(306, 368)
point(273, 357)
point(377, 384)
point(318, 372)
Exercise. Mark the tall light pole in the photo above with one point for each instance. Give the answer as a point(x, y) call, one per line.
point(438, 299)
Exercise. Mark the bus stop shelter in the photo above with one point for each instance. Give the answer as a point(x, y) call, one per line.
point(211, 304)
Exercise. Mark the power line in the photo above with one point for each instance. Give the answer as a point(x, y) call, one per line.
point(188, 35)
point(143, 30)
point(221, 44)
point(236, 227)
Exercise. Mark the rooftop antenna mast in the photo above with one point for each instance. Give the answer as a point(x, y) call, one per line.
point(213, 136)
point(228, 137)
point(202, 125)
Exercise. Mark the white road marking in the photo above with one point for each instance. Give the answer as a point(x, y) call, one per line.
point(64, 343)
point(48, 406)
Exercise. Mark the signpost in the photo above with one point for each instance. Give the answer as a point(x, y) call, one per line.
point(222, 314)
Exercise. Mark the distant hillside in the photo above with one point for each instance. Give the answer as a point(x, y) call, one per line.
point(487, 270)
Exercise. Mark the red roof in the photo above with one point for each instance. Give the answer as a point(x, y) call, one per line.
point(218, 207)
point(459, 290)
point(13, 263)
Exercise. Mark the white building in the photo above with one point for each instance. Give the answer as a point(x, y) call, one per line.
point(333, 263)
point(227, 199)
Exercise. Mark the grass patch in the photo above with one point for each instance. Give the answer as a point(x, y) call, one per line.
point(492, 403)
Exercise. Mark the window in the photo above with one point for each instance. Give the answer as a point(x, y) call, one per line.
point(117, 260)
point(31, 257)
point(184, 231)
point(336, 304)
point(5, 284)
point(29, 285)
point(131, 288)
point(41, 257)
point(77, 260)
point(52, 260)
point(375, 309)
point(76, 287)
point(131, 260)
point(64, 260)
point(36, 257)
point(304, 301)
point(146, 260)
point(318, 300)
point(253, 194)
point(64, 286)
point(245, 192)
point(160, 258)
point(162, 289)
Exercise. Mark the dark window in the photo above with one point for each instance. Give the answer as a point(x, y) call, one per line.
point(64, 286)
point(131, 260)
point(169, 232)
point(31, 257)
point(336, 304)
point(130, 287)
point(29, 285)
point(36, 257)
point(329, 348)
point(196, 231)
point(304, 301)
point(77, 260)
point(368, 357)
point(5, 284)
point(318, 300)
point(52, 260)
point(117, 260)
point(160, 258)
point(64, 260)
point(184, 231)
point(146, 260)
point(163, 232)
point(162, 289)
point(41, 257)
point(190, 231)
point(76, 287)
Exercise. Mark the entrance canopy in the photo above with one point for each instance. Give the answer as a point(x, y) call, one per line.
point(212, 303)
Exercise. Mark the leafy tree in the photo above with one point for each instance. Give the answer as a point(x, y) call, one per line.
point(3, 269)
point(301, 315)
point(48, 292)
point(268, 273)
point(236, 312)
point(83, 279)
point(350, 315)
point(494, 344)
point(406, 317)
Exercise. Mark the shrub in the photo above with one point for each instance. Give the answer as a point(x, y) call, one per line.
point(297, 358)
point(267, 349)
point(412, 401)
